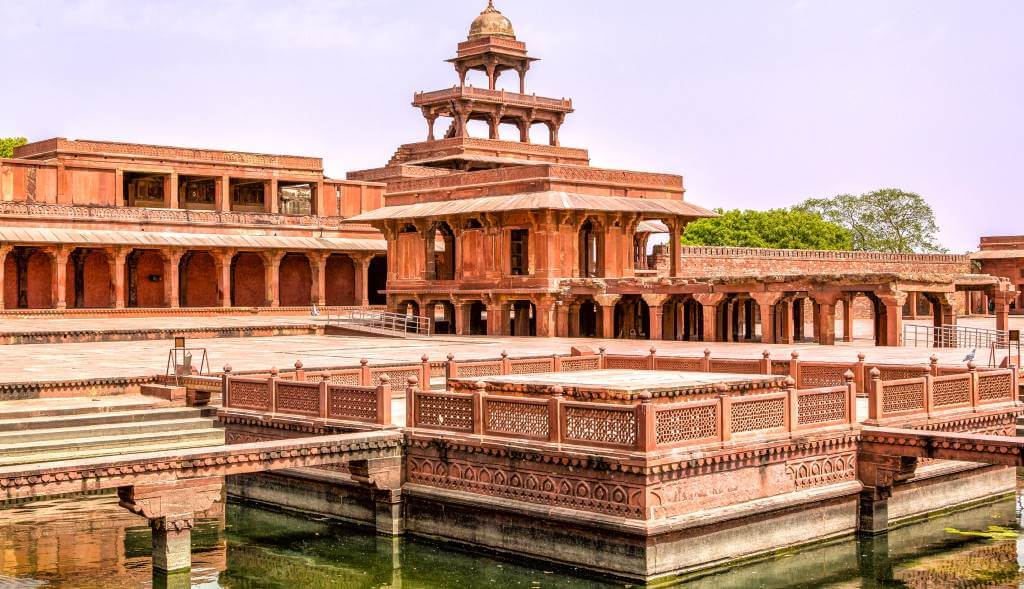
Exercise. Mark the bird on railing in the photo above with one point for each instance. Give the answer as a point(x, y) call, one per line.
point(970, 356)
point(314, 312)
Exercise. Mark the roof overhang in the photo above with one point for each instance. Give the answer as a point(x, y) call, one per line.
point(142, 239)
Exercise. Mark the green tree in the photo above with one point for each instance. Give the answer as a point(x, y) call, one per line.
point(776, 228)
point(7, 145)
point(886, 220)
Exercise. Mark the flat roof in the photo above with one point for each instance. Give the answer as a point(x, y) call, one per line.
point(625, 384)
point(546, 200)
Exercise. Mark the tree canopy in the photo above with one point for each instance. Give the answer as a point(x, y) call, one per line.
point(7, 145)
point(775, 228)
point(886, 220)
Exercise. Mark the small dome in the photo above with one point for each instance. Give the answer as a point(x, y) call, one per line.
point(491, 23)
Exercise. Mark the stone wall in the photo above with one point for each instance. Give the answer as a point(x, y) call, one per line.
point(733, 261)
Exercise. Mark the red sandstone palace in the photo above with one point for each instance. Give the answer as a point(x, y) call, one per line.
point(492, 236)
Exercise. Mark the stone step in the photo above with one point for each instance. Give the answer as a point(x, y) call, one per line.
point(58, 407)
point(65, 434)
point(97, 418)
point(48, 451)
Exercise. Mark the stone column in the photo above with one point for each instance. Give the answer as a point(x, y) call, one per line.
point(656, 308)
point(562, 321)
point(60, 257)
point(675, 248)
point(318, 266)
point(766, 302)
point(5, 249)
point(1002, 300)
point(826, 320)
point(607, 303)
point(223, 262)
point(223, 194)
point(848, 319)
point(362, 279)
point(271, 202)
point(272, 277)
point(545, 319)
point(709, 303)
point(462, 318)
point(119, 256)
point(172, 261)
point(172, 191)
point(170, 509)
point(893, 327)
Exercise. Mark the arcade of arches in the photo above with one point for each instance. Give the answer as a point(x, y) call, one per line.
point(35, 277)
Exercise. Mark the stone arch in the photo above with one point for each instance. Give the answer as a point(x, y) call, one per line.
point(340, 281)
point(248, 280)
point(682, 319)
point(28, 279)
point(89, 279)
point(587, 318)
point(590, 247)
point(443, 317)
point(197, 280)
point(377, 280)
point(295, 281)
point(145, 280)
point(478, 318)
point(407, 307)
point(444, 265)
point(632, 318)
point(522, 318)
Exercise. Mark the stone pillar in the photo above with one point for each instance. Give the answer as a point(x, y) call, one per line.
point(562, 318)
point(675, 248)
point(462, 318)
point(826, 321)
point(272, 203)
point(318, 265)
point(363, 291)
point(120, 257)
point(709, 303)
point(1002, 300)
point(60, 257)
point(223, 262)
point(879, 474)
point(893, 327)
point(913, 305)
point(172, 191)
point(223, 194)
point(5, 249)
point(524, 130)
point(172, 265)
point(656, 308)
point(607, 303)
point(272, 280)
point(171, 508)
point(766, 302)
point(848, 319)
point(545, 319)
point(784, 318)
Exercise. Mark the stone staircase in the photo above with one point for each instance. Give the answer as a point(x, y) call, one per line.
point(68, 429)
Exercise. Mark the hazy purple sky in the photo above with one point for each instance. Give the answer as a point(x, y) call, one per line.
point(758, 104)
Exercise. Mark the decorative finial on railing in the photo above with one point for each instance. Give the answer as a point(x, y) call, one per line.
point(795, 355)
point(766, 354)
point(557, 391)
point(861, 356)
point(848, 375)
point(790, 382)
point(504, 354)
point(451, 356)
point(481, 386)
point(363, 361)
point(412, 381)
point(227, 369)
point(875, 373)
point(298, 365)
point(273, 372)
point(385, 379)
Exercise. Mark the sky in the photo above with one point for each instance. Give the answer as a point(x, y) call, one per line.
point(757, 103)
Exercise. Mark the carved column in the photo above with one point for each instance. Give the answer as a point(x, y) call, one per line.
point(362, 282)
point(318, 266)
point(222, 194)
point(171, 509)
point(545, 308)
point(272, 277)
point(524, 130)
point(709, 303)
point(656, 308)
point(675, 247)
point(5, 249)
point(848, 319)
point(223, 260)
point(60, 256)
point(562, 321)
point(462, 318)
point(766, 302)
point(1002, 302)
point(825, 318)
point(271, 202)
point(892, 327)
point(119, 256)
point(607, 303)
point(172, 265)
point(172, 191)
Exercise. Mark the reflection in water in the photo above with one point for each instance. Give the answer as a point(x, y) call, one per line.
point(90, 542)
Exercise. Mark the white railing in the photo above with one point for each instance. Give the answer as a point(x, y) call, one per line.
point(952, 336)
point(381, 320)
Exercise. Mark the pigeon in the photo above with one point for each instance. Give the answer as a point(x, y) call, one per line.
point(315, 312)
point(970, 356)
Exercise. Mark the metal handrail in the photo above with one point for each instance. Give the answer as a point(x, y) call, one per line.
point(383, 320)
point(953, 336)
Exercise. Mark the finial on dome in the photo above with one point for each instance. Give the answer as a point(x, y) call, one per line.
point(491, 23)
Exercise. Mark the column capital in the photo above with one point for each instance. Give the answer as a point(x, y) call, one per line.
point(607, 300)
point(766, 299)
point(172, 254)
point(708, 298)
point(655, 301)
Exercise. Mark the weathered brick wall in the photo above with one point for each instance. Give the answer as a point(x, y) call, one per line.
point(728, 261)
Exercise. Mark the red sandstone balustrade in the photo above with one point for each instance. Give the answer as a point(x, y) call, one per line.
point(926, 396)
point(504, 96)
point(323, 399)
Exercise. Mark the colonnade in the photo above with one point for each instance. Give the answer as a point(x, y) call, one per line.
point(60, 277)
point(768, 317)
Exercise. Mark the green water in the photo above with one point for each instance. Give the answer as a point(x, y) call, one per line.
point(91, 543)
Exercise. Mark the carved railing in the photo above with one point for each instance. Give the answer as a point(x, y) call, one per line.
point(919, 398)
point(324, 400)
point(753, 252)
point(643, 425)
point(502, 96)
